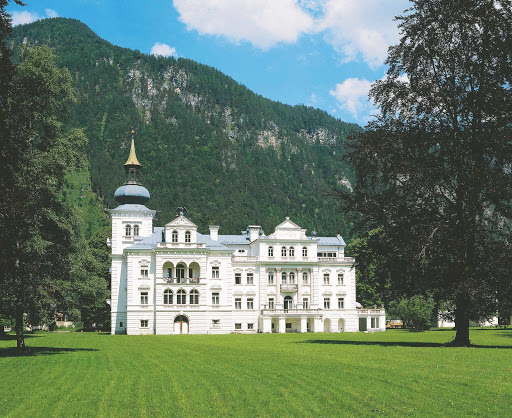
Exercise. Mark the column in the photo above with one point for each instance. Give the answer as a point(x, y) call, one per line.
point(278, 289)
point(299, 289)
point(368, 323)
point(382, 322)
point(303, 324)
point(317, 325)
point(282, 325)
point(312, 301)
point(267, 325)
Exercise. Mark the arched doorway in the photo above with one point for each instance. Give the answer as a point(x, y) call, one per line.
point(341, 325)
point(327, 325)
point(288, 302)
point(180, 273)
point(181, 324)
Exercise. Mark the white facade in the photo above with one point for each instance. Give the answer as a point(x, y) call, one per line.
point(174, 280)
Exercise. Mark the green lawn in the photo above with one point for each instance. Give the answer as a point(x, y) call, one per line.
point(397, 372)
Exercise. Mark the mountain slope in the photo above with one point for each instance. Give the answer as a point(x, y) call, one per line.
point(205, 142)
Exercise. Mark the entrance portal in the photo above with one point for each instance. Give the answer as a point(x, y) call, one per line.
point(181, 324)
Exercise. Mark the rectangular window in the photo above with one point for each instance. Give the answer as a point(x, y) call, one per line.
point(340, 278)
point(283, 278)
point(250, 278)
point(271, 278)
point(375, 322)
point(238, 278)
point(250, 326)
point(283, 252)
point(215, 323)
point(305, 303)
point(144, 323)
point(288, 325)
point(326, 278)
point(238, 326)
point(270, 303)
point(215, 272)
point(143, 298)
point(238, 303)
point(250, 303)
point(326, 255)
point(144, 272)
point(215, 299)
point(121, 324)
point(341, 303)
point(327, 303)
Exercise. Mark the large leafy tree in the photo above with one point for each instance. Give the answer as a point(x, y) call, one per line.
point(37, 226)
point(434, 168)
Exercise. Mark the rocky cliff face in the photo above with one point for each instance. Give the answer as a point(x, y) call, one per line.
point(206, 142)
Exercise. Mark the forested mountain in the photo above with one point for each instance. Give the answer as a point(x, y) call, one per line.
point(206, 142)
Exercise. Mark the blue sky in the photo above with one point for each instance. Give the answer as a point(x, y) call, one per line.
point(322, 53)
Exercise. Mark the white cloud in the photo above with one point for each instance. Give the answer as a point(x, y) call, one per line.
point(313, 99)
point(51, 13)
point(352, 96)
point(264, 23)
point(361, 29)
point(24, 17)
point(163, 50)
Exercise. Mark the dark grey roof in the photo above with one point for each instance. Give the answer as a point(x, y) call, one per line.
point(331, 241)
point(234, 239)
point(211, 244)
point(151, 242)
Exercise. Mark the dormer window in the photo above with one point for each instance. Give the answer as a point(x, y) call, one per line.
point(128, 230)
point(187, 236)
point(271, 251)
point(136, 230)
point(174, 236)
point(283, 251)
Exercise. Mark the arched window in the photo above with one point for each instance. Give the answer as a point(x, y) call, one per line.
point(304, 251)
point(291, 252)
point(270, 278)
point(283, 251)
point(288, 302)
point(135, 230)
point(194, 297)
point(174, 236)
point(283, 278)
point(271, 251)
point(304, 278)
point(292, 278)
point(181, 297)
point(128, 230)
point(187, 236)
point(168, 297)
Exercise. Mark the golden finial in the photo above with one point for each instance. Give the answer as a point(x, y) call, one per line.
point(132, 159)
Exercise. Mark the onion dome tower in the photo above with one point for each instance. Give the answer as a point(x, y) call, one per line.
point(132, 192)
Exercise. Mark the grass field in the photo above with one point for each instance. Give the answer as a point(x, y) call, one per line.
point(397, 372)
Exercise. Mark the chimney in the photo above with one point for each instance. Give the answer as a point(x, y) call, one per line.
point(214, 232)
point(254, 232)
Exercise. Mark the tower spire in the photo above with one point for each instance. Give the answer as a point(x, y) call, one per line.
point(132, 158)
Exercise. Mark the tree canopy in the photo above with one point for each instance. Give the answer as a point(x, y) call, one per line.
point(434, 168)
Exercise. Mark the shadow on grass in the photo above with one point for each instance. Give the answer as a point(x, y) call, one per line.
point(39, 351)
point(7, 337)
point(397, 344)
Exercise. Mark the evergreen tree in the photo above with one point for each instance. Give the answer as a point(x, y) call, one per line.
point(434, 170)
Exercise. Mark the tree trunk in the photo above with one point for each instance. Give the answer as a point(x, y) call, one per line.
point(461, 322)
point(20, 338)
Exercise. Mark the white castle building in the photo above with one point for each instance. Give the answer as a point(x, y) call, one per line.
point(175, 280)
